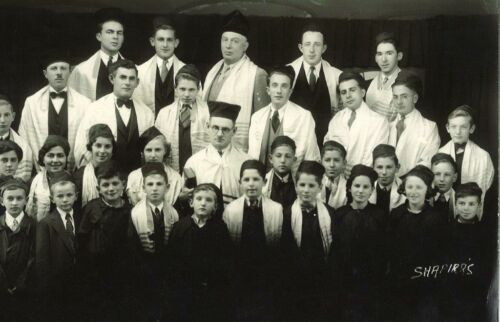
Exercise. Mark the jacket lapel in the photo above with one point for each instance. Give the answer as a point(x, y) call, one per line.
point(3, 240)
point(58, 226)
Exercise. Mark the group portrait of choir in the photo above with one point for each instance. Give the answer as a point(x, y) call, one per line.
point(142, 192)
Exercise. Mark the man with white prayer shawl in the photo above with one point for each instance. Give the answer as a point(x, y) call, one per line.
point(220, 162)
point(157, 75)
point(90, 77)
point(356, 127)
point(282, 117)
point(25, 165)
point(126, 117)
point(235, 79)
point(473, 163)
point(56, 109)
point(184, 122)
point(387, 56)
point(315, 82)
point(416, 138)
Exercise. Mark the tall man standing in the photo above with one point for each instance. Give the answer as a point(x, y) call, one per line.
point(90, 78)
point(315, 84)
point(126, 117)
point(236, 79)
point(157, 75)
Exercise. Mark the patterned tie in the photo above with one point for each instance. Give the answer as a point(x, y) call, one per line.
point(69, 225)
point(15, 225)
point(351, 119)
point(312, 78)
point(164, 70)
point(385, 80)
point(400, 127)
point(185, 116)
point(275, 121)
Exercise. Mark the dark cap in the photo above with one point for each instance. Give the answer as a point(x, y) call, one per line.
point(253, 164)
point(312, 167)
point(54, 56)
point(110, 14)
point(283, 140)
point(160, 22)
point(362, 170)
point(285, 70)
point(333, 146)
point(443, 158)
point(236, 22)
point(409, 80)
point(223, 109)
point(423, 173)
point(9, 183)
point(50, 142)
point(349, 74)
point(190, 69)
point(8, 145)
point(383, 151)
point(147, 136)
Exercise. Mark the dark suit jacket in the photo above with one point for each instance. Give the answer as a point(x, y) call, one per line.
point(16, 258)
point(56, 252)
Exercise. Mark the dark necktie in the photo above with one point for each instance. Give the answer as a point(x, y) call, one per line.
point(62, 95)
point(185, 116)
point(312, 78)
point(254, 204)
point(220, 153)
point(110, 61)
point(459, 148)
point(127, 102)
point(400, 127)
point(351, 119)
point(275, 121)
point(158, 214)
point(69, 225)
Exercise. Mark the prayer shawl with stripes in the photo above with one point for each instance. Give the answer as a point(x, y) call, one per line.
point(89, 184)
point(237, 89)
point(331, 77)
point(272, 216)
point(476, 166)
point(38, 205)
point(379, 95)
point(145, 92)
point(325, 224)
point(135, 183)
point(337, 198)
point(142, 218)
point(34, 124)
point(103, 111)
point(209, 167)
point(83, 78)
point(168, 124)
point(418, 142)
point(297, 123)
point(26, 164)
point(395, 198)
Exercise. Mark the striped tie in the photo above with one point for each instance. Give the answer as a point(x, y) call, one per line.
point(185, 117)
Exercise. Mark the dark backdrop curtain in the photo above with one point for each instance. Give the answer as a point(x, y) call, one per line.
point(459, 54)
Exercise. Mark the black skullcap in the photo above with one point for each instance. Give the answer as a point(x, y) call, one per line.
point(468, 189)
point(443, 157)
point(8, 145)
point(253, 164)
point(190, 69)
point(312, 167)
point(100, 130)
point(283, 140)
point(147, 136)
point(409, 80)
point(285, 70)
point(54, 55)
point(150, 168)
point(160, 22)
point(312, 26)
point(348, 75)
point(362, 170)
point(9, 183)
point(50, 142)
point(423, 173)
point(223, 109)
point(334, 145)
point(236, 22)
point(383, 150)
point(110, 14)
point(61, 176)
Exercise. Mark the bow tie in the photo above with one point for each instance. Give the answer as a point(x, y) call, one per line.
point(460, 146)
point(59, 94)
point(127, 102)
point(307, 209)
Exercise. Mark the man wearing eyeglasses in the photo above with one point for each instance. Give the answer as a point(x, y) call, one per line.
point(220, 162)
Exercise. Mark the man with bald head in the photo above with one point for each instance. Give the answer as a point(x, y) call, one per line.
point(236, 79)
point(315, 83)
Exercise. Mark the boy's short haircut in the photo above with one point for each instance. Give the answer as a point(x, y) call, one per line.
point(60, 178)
point(410, 81)
point(122, 63)
point(286, 70)
point(8, 145)
point(108, 170)
point(152, 168)
point(463, 110)
point(283, 140)
point(208, 187)
point(387, 37)
point(253, 164)
point(352, 75)
point(312, 27)
point(13, 184)
point(162, 23)
point(385, 151)
point(444, 158)
point(468, 189)
point(4, 100)
point(333, 146)
point(311, 167)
